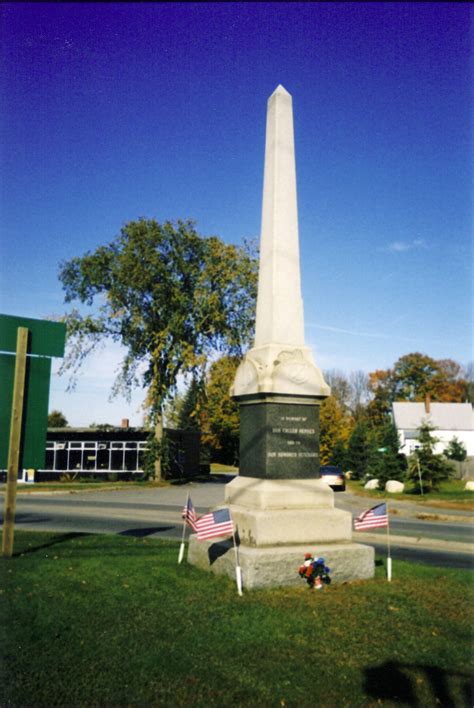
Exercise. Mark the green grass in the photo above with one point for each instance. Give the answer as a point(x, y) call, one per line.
point(110, 620)
point(218, 468)
point(450, 494)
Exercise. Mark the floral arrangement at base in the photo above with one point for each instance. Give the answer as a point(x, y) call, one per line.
point(315, 572)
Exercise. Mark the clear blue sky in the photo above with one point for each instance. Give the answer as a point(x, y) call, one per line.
point(113, 111)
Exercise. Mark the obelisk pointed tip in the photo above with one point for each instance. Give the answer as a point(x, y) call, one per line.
point(280, 91)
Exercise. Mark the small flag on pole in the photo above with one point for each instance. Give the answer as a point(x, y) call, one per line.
point(214, 523)
point(189, 514)
point(376, 517)
point(189, 517)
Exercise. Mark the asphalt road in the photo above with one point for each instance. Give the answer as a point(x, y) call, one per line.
point(441, 537)
point(426, 556)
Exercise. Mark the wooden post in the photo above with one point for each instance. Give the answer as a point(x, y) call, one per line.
point(15, 441)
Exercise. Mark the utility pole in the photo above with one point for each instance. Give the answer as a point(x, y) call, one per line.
point(417, 447)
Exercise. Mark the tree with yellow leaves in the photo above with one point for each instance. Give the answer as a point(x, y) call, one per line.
point(335, 425)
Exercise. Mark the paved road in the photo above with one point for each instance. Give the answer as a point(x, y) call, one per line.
point(427, 556)
point(441, 537)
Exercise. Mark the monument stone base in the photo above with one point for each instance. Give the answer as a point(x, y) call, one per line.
point(286, 512)
point(277, 522)
point(278, 566)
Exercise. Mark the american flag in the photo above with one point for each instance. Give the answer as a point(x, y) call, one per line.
point(214, 523)
point(189, 514)
point(375, 517)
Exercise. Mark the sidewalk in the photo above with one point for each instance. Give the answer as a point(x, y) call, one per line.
point(417, 542)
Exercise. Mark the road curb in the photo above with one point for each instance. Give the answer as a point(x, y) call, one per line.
point(418, 542)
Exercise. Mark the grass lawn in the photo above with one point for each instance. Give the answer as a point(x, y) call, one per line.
point(112, 620)
point(218, 468)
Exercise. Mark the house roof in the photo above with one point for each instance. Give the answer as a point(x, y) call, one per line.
point(442, 416)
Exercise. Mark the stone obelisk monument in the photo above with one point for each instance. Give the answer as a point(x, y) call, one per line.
point(279, 505)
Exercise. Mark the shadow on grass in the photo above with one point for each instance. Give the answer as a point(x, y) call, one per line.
point(28, 518)
point(204, 479)
point(396, 681)
point(63, 538)
point(142, 533)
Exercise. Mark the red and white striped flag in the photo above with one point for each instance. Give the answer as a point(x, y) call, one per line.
point(189, 514)
point(214, 523)
point(376, 517)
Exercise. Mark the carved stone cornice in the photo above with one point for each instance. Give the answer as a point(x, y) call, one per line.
point(279, 369)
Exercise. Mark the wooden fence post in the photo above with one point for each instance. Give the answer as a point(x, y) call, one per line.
point(15, 441)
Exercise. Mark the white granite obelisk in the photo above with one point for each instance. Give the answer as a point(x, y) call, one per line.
point(279, 362)
point(280, 305)
point(279, 505)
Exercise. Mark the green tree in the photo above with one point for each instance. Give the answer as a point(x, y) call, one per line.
point(221, 412)
point(382, 388)
point(415, 376)
point(338, 455)
point(56, 419)
point(191, 405)
point(172, 410)
point(170, 296)
point(392, 463)
point(425, 463)
point(102, 426)
point(456, 450)
point(359, 451)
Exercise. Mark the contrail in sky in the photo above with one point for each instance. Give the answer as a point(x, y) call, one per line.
point(375, 335)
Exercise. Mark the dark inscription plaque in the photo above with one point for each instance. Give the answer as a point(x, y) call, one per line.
point(279, 440)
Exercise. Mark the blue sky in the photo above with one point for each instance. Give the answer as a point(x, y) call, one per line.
point(113, 111)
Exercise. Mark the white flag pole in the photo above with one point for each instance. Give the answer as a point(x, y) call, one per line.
point(238, 569)
point(181, 548)
point(389, 559)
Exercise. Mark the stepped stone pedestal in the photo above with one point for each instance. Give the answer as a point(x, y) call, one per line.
point(277, 522)
point(280, 507)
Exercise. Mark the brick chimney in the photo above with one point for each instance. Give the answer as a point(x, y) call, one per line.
point(125, 423)
point(427, 403)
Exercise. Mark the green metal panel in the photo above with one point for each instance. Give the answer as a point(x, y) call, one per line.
point(46, 338)
point(35, 418)
point(7, 373)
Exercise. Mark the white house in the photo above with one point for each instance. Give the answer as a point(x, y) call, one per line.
point(449, 420)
